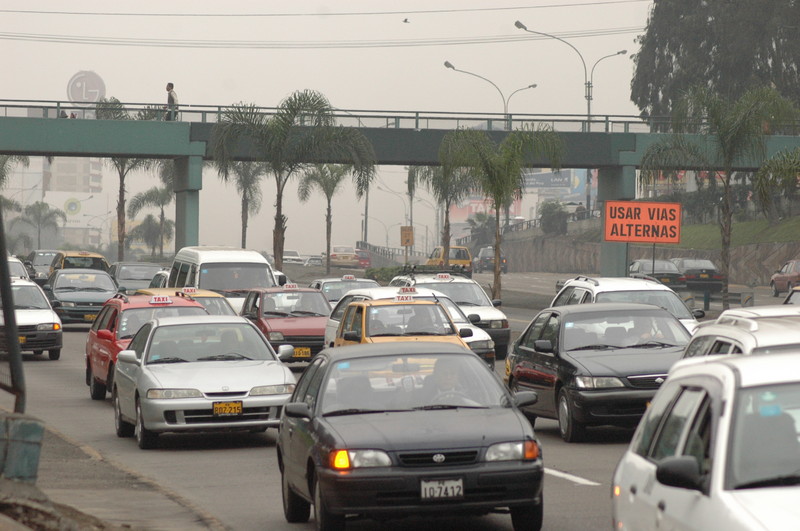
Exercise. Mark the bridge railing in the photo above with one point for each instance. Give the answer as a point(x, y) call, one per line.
point(417, 120)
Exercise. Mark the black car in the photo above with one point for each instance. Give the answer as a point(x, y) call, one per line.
point(79, 294)
point(131, 276)
point(38, 264)
point(701, 274)
point(662, 270)
point(391, 430)
point(594, 364)
point(484, 261)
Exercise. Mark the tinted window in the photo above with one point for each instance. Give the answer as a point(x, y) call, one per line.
point(672, 430)
point(228, 276)
point(698, 346)
point(652, 419)
point(666, 299)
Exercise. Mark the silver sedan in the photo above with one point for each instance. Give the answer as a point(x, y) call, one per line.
point(198, 373)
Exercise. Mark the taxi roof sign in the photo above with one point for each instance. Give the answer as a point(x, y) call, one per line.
point(408, 289)
point(348, 277)
point(290, 286)
point(189, 290)
point(160, 299)
point(443, 276)
point(403, 298)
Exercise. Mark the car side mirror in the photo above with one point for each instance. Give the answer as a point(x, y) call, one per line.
point(282, 279)
point(285, 352)
point(682, 472)
point(698, 314)
point(497, 302)
point(297, 410)
point(543, 345)
point(352, 335)
point(525, 398)
point(128, 356)
point(105, 334)
point(465, 332)
point(474, 318)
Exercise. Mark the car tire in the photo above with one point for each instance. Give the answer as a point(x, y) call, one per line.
point(324, 520)
point(295, 509)
point(774, 289)
point(97, 390)
point(528, 517)
point(53, 354)
point(571, 430)
point(145, 438)
point(121, 426)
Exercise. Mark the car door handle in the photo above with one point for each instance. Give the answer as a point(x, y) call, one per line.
point(633, 489)
point(662, 506)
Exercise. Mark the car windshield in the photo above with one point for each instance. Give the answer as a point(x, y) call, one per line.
point(408, 319)
point(294, 304)
point(84, 282)
point(234, 276)
point(202, 342)
point(334, 290)
point(666, 299)
point(85, 262)
point(763, 443)
point(646, 329)
point(16, 269)
point(698, 264)
point(462, 293)
point(216, 305)
point(133, 318)
point(138, 272)
point(28, 298)
point(661, 266)
point(43, 259)
point(409, 382)
point(344, 250)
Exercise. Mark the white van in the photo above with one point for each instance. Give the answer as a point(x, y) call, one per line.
point(231, 271)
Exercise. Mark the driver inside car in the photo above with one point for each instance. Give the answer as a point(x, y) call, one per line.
point(444, 381)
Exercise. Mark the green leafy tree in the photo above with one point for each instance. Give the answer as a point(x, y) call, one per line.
point(112, 109)
point(149, 232)
point(497, 168)
point(712, 134)
point(301, 130)
point(731, 47)
point(7, 163)
point(158, 197)
point(327, 178)
point(553, 217)
point(481, 229)
point(41, 217)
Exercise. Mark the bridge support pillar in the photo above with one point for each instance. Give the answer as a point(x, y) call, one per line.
point(188, 183)
point(616, 183)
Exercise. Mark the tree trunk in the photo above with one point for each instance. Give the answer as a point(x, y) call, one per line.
point(244, 222)
point(446, 237)
point(328, 227)
point(498, 239)
point(279, 231)
point(121, 218)
point(161, 223)
point(725, 236)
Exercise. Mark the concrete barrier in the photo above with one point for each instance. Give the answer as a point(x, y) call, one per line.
point(20, 447)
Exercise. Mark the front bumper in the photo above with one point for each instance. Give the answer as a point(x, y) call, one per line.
point(78, 314)
point(196, 414)
point(486, 354)
point(396, 492)
point(501, 338)
point(313, 344)
point(31, 339)
point(619, 407)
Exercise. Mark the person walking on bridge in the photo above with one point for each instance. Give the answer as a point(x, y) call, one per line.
point(172, 103)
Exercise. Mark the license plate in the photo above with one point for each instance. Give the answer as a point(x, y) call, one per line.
point(302, 352)
point(703, 275)
point(89, 316)
point(21, 339)
point(665, 280)
point(442, 489)
point(227, 409)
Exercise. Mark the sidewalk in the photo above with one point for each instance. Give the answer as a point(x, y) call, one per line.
point(78, 490)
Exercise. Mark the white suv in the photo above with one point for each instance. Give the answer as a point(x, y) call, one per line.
point(582, 289)
point(470, 297)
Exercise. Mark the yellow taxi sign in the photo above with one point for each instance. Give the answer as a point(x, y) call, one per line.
point(160, 299)
point(290, 286)
point(348, 277)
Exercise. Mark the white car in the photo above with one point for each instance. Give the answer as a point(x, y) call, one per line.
point(479, 342)
point(717, 449)
point(38, 326)
point(198, 373)
point(292, 257)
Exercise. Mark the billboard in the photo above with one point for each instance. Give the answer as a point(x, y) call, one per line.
point(642, 222)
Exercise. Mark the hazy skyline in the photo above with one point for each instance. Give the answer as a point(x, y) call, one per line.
point(362, 55)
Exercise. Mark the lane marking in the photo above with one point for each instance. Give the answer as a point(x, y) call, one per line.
point(570, 477)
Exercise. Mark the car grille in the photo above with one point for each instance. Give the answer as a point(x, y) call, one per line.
point(451, 458)
point(648, 381)
point(315, 343)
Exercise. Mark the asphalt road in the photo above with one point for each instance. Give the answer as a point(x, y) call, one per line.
point(235, 479)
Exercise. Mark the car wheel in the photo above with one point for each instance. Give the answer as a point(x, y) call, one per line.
point(97, 390)
point(52, 354)
point(774, 289)
point(145, 438)
point(571, 430)
point(295, 508)
point(122, 427)
point(324, 520)
point(528, 517)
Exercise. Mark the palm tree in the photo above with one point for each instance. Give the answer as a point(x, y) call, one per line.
point(729, 131)
point(112, 109)
point(247, 179)
point(41, 216)
point(7, 162)
point(328, 178)
point(481, 228)
point(149, 232)
point(301, 131)
point(157, 197)
point(497, 168)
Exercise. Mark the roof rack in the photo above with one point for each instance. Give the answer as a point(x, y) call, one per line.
point(591, 280)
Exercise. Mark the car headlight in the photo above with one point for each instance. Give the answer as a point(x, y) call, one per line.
point(264, 390)
point(174, 393)
point(276, 336)
point(482, 345)
point(500, 323)
point(513, 451)
point(67, 304)
point(597, 382)
point(48, 326)
point(347, 459)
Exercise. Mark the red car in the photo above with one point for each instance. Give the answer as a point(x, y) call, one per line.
point(785, 278)
point(119, 319)
point(364, 258)
point(290, 315)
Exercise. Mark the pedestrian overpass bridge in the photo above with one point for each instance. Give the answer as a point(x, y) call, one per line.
point(613, 145)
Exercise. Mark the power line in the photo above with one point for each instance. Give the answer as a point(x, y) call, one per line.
point(336, 14)
point(275, 45)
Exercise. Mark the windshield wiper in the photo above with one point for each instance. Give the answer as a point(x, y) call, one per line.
point(466, 303)
point(386, 334)
point(224, 357)
point(306, 312)
point(169, 359)
point(357, 411)
point(779, 481)
point(594, 347)
point(420, 333)
point(448, 406)
point(66, 288)
point(93, 288)
point(653, 343)
point(275, 312)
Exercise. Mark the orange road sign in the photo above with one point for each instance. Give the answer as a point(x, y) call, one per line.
point(642, 222)
point(406, 236)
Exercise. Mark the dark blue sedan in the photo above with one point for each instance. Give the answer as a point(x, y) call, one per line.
point(77, 295)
